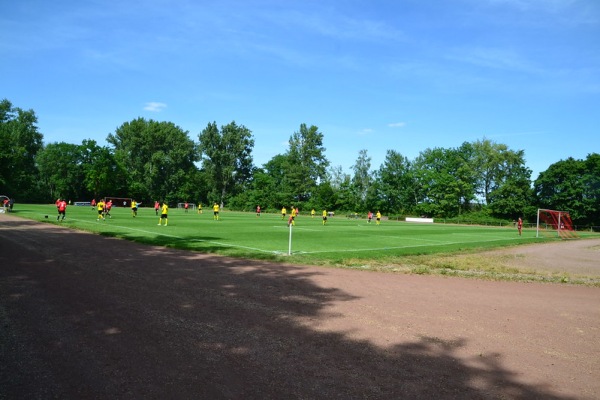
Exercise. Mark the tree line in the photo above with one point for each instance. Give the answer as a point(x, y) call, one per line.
point(150, 160)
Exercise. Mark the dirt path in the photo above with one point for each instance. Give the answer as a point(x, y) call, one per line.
point(85, 316)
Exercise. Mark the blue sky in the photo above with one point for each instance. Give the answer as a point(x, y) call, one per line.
point(405, 75)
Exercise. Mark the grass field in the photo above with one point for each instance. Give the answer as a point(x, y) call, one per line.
point(342, 242)
point(268, 236)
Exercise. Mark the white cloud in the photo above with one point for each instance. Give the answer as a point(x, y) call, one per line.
point(366, 131)
point(155, 107)
point(495, 58)
point(546, 5)
point(333, 24)
point(397, 125)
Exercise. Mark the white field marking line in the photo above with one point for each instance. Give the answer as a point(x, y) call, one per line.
point(414, 239)
point(299, 228)
point(234, 245)
point(427, 240)
point(182, 238)
point(432, 240)
point(400, 237)
point(306, 229)
point(362, 233)
point(394, 247)
point(476, 236)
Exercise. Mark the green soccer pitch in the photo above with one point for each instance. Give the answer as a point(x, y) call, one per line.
point(268, 236)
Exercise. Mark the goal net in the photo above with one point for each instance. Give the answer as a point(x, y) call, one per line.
point(191, 206)
point(120, 201)
point(555, 223)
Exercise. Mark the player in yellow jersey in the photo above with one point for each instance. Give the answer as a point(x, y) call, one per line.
point(283, 212)
point(199, 208)
point(294, 213)
point(164, 214)
point(324, 217)
point(216, 212)
point(378, 218)
point(312, 213)
point(100, 208)
point(134, 208)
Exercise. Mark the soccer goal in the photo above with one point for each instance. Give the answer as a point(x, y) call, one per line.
point(120, 201)
point(554, 223)
point(191, 206)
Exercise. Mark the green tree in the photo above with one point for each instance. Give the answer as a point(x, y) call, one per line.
point(494, 164)
point(158, 158)
point(336, 176)
point(361, 180)
point(344, 197)
point(20, 142)
point(396, 186)
point(512, 198)
point(78, 172)
point(571, 185)
point(226, 159)
point(60, 168)
point(262, 191)
point(324, 198)
point(340, 183)
point(102, 174)
point(446, 179)
point(307, 164)
point(280, 186)
point(591, 193)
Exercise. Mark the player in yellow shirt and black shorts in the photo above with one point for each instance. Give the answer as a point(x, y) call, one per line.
point(164, 213)
point(100, 208)
point(134, 207)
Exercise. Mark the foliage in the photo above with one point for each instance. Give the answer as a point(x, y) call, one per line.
point(591, 190)
point(276, 182)
point(226, 159)
point(572, 185)
point(446, 181)
point(151, 160)
point(396, 190)
point(494, 164)
point(325, 198)
point(480, 217)
point(306, 162)
point(78, 172)
point(102, 174)
point(362, 180)
point(20, 142)
point(158, 158)
point(59, 165)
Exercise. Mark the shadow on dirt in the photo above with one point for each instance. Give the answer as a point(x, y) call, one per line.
point(86, 316)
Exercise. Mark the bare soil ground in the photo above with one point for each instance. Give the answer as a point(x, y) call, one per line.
point(85, 316)
point(581, 257)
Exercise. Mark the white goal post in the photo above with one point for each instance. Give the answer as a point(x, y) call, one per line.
point(120, 201)
point(191, 206)
point(555, 221)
